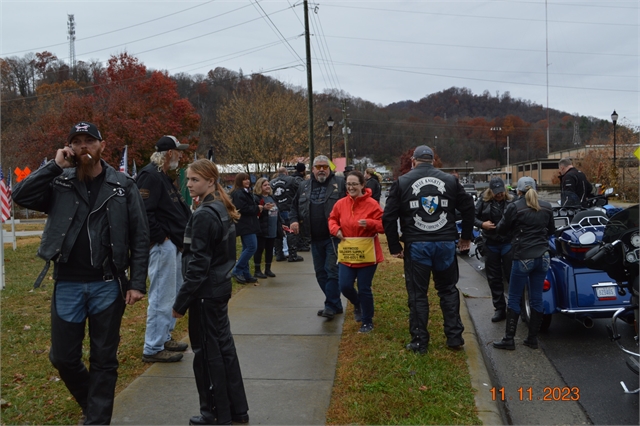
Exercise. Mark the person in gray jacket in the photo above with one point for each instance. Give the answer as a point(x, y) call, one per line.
point(96, 229)
point(310, 212)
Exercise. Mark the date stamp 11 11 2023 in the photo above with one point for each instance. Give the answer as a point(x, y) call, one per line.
point(549, 393)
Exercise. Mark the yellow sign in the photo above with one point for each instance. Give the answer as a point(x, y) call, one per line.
point(357, 250)
point(637, 153)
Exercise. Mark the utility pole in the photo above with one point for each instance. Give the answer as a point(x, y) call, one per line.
point(309, 84)
point(345, 130)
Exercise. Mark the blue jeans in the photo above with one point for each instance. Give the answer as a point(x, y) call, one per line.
point(362, 297)
point(75, 301)
point(529, 272)
point(249, 247)
point(325, 264)
point(165, 277)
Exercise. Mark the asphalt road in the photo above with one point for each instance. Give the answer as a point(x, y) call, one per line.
point(570, 356)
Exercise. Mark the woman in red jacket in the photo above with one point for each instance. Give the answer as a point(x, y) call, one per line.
point(358, 215)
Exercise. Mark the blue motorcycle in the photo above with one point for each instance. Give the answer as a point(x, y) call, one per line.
point(570, 287)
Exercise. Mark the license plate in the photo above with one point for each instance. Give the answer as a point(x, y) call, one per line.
point(606, 292)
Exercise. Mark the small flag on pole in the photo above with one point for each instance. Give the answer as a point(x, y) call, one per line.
point(5, 198)
point(135, 170)
point(43, 163)
point(124, 160)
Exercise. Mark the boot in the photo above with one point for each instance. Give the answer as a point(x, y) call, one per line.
point(499, 315)
point(258, 273)
point(535, 321)
point(507, 341)
point(267, 270)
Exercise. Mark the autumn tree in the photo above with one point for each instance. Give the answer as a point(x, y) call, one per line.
point(262, 124)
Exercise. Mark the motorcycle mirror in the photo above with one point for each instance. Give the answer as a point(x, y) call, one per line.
point(587, 238)
point(608, 191)
point(559, 202)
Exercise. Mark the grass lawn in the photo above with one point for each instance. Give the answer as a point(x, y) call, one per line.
point(377, 381)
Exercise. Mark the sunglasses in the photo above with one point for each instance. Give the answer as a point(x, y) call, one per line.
point(322, 166)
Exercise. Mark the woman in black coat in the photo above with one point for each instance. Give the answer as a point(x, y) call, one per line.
point(373, 183)
point(270, 227)
point(497, 253)
point(247, 227)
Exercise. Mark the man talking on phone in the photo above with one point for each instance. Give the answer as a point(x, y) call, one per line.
point(96, 230)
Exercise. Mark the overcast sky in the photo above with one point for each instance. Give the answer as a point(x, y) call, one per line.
point(380, 51)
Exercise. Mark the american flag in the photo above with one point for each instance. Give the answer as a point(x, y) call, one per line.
point(5, 197)
point(43, 163)
point(135, 170)
point(124, 160)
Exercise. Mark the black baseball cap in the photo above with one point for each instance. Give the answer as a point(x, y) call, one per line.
point(168, 142)
point(86, 128)
point(496, 185)
point(423, 152)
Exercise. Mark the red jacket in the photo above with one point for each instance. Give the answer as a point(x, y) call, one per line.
point(345, 216)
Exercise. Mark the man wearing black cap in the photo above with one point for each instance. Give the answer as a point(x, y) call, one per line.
point(96, 229)
point(168, 215)
point(425, 200)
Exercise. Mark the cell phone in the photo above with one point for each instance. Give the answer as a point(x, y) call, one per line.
point(70, 158)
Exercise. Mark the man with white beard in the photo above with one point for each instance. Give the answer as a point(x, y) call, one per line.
point(168, 214)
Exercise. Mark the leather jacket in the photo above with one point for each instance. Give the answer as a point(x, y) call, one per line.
point(117, 225)
point(300, 208)
point(574, 188)
point(530, 229)
point(425, 200)
point(491, 210)
point(284, 189)
point(209, 254)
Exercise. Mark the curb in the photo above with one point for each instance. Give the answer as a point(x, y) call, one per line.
point(488, 410)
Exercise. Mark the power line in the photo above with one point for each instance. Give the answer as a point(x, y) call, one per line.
point(275, 29)
point(115, 31)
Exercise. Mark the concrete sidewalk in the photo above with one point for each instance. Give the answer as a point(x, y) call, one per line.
point(288, 357)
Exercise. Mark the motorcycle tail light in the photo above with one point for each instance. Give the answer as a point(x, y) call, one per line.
point(580, 249)
point(546, 286)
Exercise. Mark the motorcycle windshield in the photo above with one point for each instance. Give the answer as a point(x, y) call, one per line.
point(621, 222)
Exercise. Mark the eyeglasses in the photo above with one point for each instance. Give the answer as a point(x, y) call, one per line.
point(321, 166)
point(353, 183)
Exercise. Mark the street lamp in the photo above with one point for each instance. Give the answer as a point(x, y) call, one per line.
point(435, 143)
point(496, 130)
point(614, 118)
point(330, 124)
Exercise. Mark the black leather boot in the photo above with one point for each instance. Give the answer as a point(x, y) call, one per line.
point(507, 341)
point(267, 270)
point(258, 273)
point(535, 321)
point(499, 315)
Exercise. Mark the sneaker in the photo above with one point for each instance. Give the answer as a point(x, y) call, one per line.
point(357, 313)
point(175, 346)
point(328, 314)
point(366, 328)
point(339, 311)
point(162, 356)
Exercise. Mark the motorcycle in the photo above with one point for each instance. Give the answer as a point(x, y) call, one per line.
point(618, 256)
point(571, 287)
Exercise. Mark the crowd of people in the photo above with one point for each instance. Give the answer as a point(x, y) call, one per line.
point(122, 230)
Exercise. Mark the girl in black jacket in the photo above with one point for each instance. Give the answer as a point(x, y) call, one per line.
point(209, 255)
point(247, 227)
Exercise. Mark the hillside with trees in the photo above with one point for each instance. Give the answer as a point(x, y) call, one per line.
point(257, 119)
